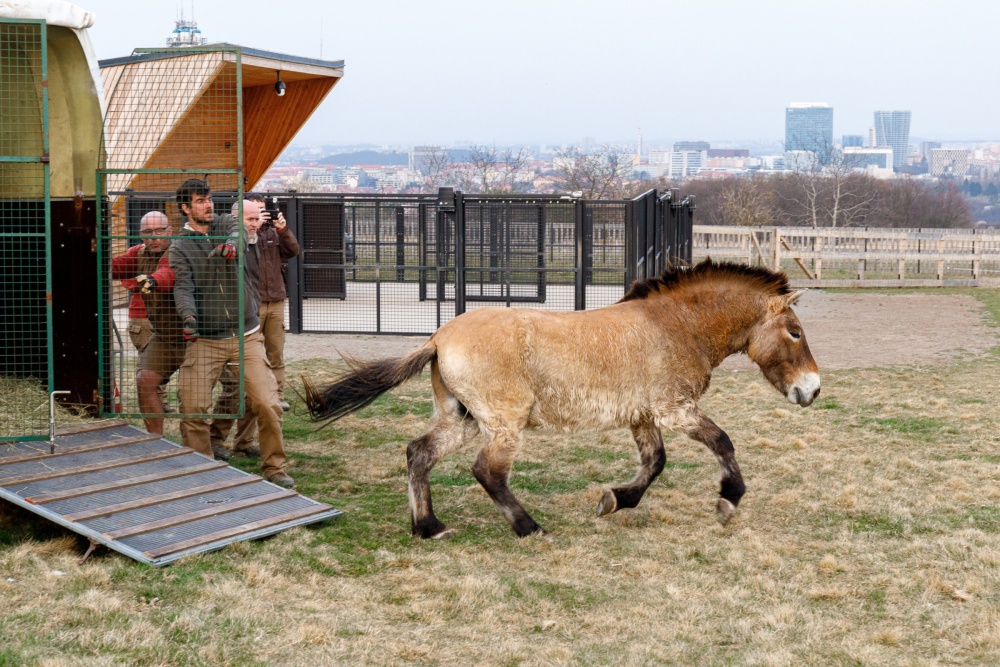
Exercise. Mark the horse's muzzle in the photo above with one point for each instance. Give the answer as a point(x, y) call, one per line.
point(805, 390)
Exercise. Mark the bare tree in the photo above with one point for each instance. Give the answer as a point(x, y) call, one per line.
point(596, 175)
point(747, 202)
point(831, 188)
point(491, 171)
point(434, 164)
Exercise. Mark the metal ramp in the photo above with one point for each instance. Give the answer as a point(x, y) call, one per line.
point(146, 497)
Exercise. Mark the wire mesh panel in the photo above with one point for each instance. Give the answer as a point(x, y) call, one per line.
point(406, 264)
point(504, 251)
point(178, 258)
point(372, 264)
point(25, 269)
point(604, 241)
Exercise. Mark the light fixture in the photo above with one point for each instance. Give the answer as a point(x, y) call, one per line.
point(279, 87)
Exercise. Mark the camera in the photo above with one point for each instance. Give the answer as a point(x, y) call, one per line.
point(273, 215)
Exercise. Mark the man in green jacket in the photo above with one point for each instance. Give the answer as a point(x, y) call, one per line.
point(206, 291)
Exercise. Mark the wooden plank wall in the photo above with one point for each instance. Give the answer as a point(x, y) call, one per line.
point(271, 122)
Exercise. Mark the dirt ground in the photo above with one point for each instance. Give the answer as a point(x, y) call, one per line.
point(844, 330)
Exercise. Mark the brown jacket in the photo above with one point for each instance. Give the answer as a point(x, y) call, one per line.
point(272, 247)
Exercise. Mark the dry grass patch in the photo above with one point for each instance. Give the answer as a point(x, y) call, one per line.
point(870, 534)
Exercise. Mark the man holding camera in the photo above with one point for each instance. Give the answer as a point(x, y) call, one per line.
point(203, 259)
point(273, 243)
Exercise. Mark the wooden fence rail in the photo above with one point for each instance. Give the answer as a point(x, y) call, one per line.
point(860, 257)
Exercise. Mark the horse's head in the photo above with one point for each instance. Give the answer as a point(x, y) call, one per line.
point(778, 345)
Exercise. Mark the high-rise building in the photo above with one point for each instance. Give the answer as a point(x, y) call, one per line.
point(952, 161)
point(852, 140)
point(926, 147)
point(809, 127)
point(691, 145)
point(876, 161)
point(892, 129)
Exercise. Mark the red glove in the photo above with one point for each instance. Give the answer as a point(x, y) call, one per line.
point(190, 329)
point(224, 249)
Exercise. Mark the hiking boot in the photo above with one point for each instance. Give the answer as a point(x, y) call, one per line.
point(284, 405)
point(221, 453)
point(281, 479)
point(250, 452)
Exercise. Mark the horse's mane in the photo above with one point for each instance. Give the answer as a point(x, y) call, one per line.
point(770, 282)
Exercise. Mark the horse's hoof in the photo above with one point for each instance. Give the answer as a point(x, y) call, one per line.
point(445, 534)
point(608, 504)
point(724, 511)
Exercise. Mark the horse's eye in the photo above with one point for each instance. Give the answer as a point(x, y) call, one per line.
point(795, 335)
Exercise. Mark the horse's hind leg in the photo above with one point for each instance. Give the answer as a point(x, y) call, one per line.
point(652, 459)
point(492, 469)
point(732, 487)
point(421, 455)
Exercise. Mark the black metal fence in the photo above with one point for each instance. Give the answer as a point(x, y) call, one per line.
point(406, 264)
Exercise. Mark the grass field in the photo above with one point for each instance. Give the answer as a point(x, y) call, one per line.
point(869, 535)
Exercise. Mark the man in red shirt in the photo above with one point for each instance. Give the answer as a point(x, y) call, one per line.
point(163, 354)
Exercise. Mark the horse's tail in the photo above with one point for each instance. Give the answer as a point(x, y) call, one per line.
point(363, 383)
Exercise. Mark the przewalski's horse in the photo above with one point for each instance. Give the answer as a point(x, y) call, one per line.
point(641, 363)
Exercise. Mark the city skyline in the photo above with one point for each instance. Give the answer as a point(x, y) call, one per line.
point(438, 72)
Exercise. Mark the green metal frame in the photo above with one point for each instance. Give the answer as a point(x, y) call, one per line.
point(46, 233)
point(104, 233)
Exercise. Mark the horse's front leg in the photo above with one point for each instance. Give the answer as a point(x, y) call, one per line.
point(652, 459)
point(732, 488)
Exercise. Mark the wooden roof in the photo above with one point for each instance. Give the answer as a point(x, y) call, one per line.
point(165, 109)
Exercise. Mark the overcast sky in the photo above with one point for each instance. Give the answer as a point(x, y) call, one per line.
point(557, 71)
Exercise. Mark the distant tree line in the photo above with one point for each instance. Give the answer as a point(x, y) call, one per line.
point(984, 199)
point(831, 192)
point(858, 201)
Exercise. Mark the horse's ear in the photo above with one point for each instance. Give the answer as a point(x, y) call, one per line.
point(794, 296)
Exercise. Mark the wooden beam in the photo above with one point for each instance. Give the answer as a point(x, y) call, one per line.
point(43, 498)
point(188, 517)
point(139, 503)
point(237, 530)
point(95, 467)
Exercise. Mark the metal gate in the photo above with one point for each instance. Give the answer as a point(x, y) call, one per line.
point(658, 233)
point(172, 115)
point(406, 264)
point(26, 374)
point(505, 251)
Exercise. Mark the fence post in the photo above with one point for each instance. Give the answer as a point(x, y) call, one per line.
point(295, 270)
point(400, 244)
point(543, 274)
point(940, 262)
point(579, 282)
point(459, 253)
point(975, 257)
point(631, 245)
point(684, 247)
point(422, 251)
point(777, 249)
point(818, 262)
